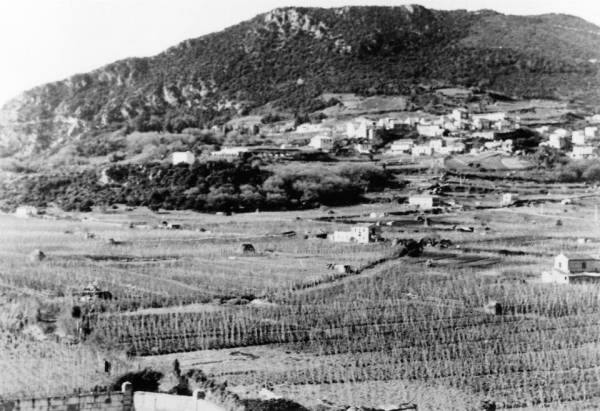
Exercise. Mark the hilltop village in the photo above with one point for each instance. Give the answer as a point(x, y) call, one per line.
point(410, 137)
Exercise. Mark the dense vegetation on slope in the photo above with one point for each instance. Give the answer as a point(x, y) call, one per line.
point(211, 186)
point(290, 56)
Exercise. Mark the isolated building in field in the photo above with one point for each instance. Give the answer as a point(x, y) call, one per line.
point(508, 199)
point(423, 201)
point(361, 234)
point(185, 157)
point(573, 269)
point(322, 142)
point(26, 211)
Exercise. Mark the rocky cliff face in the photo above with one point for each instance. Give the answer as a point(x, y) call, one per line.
point(290, 56)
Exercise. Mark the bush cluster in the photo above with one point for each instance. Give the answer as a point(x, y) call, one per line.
point(207, 186)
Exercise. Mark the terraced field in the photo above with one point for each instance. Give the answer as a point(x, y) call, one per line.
point(280, 317)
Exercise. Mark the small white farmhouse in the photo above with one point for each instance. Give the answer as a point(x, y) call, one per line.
point(321, 142)
point(186, 157)
point(423, 201)
point(508, 199)
point(573, 269)
point(361, 234)
point(26, 211)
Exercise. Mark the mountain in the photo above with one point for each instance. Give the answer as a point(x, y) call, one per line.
point(288, 57)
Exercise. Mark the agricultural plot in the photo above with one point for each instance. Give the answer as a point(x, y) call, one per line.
point(395, 328)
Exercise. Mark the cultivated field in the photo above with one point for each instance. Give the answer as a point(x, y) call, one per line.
point(393, 329)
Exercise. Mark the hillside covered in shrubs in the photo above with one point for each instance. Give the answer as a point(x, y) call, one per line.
point(289, 57)
point(211, 186)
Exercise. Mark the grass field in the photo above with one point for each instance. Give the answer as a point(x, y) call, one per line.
point(409, 329)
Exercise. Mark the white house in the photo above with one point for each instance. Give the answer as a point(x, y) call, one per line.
point(432, 130)
point(573, 269)
point(436, 144)
point(423, 201)
point(361, 128)
point(421, 150)
point(508, 199)
point(582, 152)
point(387, 123)
point(186, 157)
point(361, 234)
point(590, 132)
point(578, 137)
point(453, 148)
point(493, 117)
point(363, 148)
point(26, 211)
point(501, 125)
point(401, 146)
point(556, 141)
point(459, 114)
point(321, 142)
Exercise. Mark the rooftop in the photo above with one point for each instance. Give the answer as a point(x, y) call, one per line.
point(578, 256)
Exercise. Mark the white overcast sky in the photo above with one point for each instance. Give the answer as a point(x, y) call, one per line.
point(47, 40)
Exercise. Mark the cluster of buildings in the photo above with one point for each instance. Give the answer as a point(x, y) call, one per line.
point(583, 142)
point(444, 135)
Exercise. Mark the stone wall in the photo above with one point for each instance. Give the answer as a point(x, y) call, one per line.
point(101, 401)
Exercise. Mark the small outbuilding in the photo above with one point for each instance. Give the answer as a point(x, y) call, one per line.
point(183, 157)
point(508, 199)
point(26, 211)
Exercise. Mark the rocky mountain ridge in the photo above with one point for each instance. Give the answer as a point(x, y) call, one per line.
point(288, 57)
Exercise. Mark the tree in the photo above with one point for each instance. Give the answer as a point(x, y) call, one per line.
point(548, 157)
